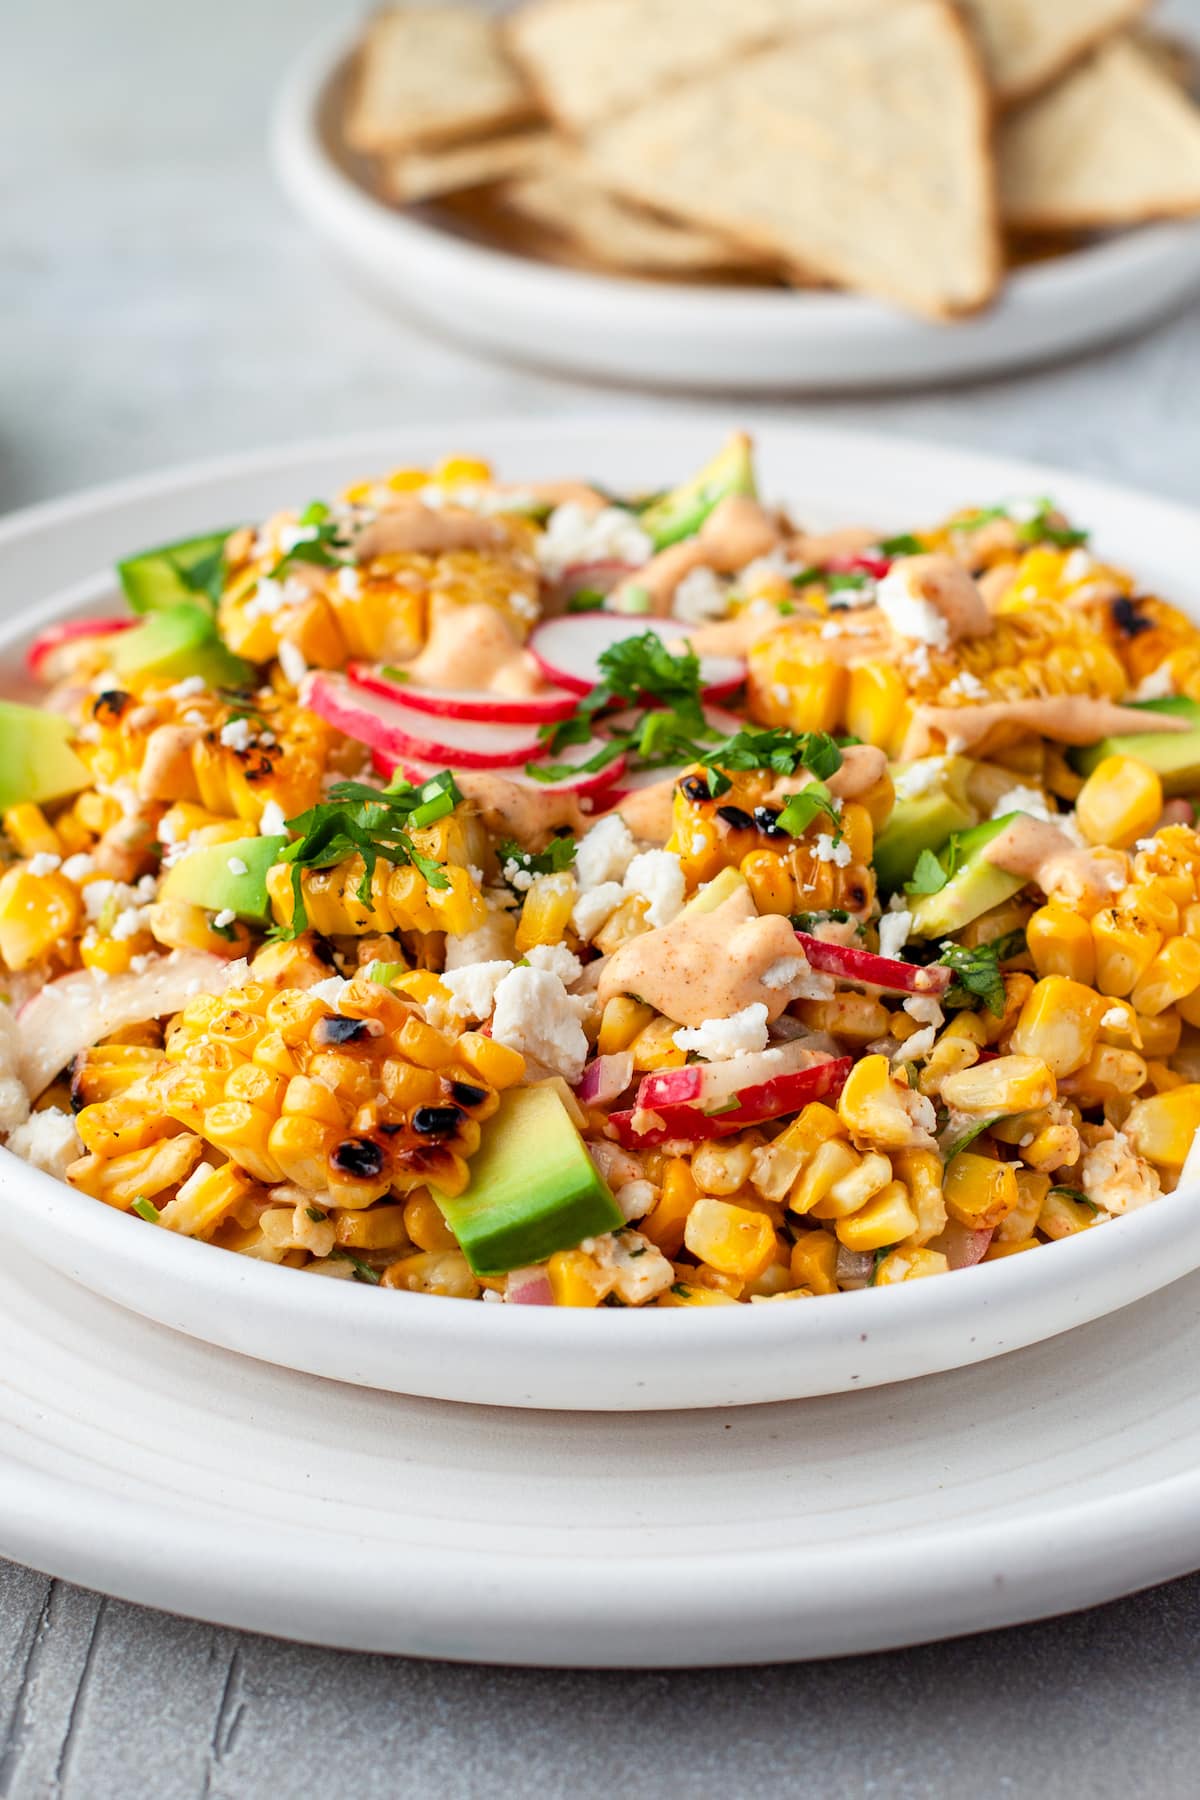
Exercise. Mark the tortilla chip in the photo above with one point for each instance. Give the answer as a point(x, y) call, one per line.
point(432, 75)
point(862, 155)
point(570, 204)
point(425, 174)
point(1027, 43)
point(591, 59)
point(1114, 143)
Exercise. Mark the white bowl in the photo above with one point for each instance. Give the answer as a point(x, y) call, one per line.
point(682, 336)
point(606, 1360)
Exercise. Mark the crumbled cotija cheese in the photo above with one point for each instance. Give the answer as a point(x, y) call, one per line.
point(908, 612)
point(717, 1040)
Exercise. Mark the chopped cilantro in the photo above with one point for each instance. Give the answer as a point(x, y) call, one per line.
point(903, 545)
point(558, 855)
point(808, 921)
point(362, 1270)
point(977, 971)
point(731, 1104)
point(950, 1147)
point(848, 580)
point(807, 577)
point(586, 600)
point(322, 548)
point(928, 876)
point(1076, 1195)
point(885, 1250)
point(810, 803)
point(316, 1215)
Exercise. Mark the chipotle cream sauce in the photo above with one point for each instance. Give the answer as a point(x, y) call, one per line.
point(474, 646)
point(705, 965)
point(735, 532)
point(1067, 718)
point(1044, 854)
point(410, 528)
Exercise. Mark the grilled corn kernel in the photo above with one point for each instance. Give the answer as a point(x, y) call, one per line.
point(445, 1272)
point(654, 1047)
point(686, 1293)
point(909, 1265)
point(1174, 975)
point(854, 1188)
point(722, 1168)
point(664, 1224)
point(1058, 1024)
point(830, 1161)
point(885, 1219)
point(577, 1279)
point(1125, 947)
point(425, 1225)
point(620, 1022)
point(497, 1064)
point(730, 1238)
point(1161, 1128)
point(547, 910)
point(814, 1261)
point(1060, 943)
point(1062, 1217)
point(872, 1106)
point(978, 1191)
point(207, 1202)
point(30, 832)
point(35, 912)
point(1120, 801)
point(1010, 1084)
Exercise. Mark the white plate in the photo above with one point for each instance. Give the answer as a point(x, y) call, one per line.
point(150, 1466)
point(540, 1357)
point(684, 336)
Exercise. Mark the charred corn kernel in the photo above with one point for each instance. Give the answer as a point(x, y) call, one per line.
point(185, 1093)
point(684, 1293)
point(1060, 943)
point(814, 1261)
point(208, 1201)
point(425, 1224)
point(379, 1227)
point(577, 1279)
point(1120, 801)
point(35, 912)
point(978, 1191)
point(113, 1126)
point(877, 706)
point(1125, 947)
point(1161, 1128)
point(119, 1180)
point(830, 1161)
point(299, 1146)
point(885, 1219)
point(423, 1045)
point(859, 1018)
point(1062, 1217)
point(444, 1272)
point(242, 1132)
point(654, 1047)
point(621, 1022)
point(1108, 1071)
point(1174, 975)
point(730, 1238)
point(1058, 1024)
point(921, 1173)
point(663, 1225)
point(722, 1168)
point(1010, 1084)
point(1153, 906)
point(852, 1190)
point(872, 1106)
point(792, 681)
point(1020, 1224)
point(769, 880)
point(109, 1070)
point(547, 910)
point(30, 832)
point(499, 1066)
point(272, 1054)
point(904, 1264)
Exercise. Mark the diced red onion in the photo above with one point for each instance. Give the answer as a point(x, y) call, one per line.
point(605, 1078)
point(528, 1287)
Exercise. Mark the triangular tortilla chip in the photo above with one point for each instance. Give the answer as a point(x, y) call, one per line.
point(1114, 143)
point(859, 154)
point(433, 75)
point(424, 174)
point(1026, 43)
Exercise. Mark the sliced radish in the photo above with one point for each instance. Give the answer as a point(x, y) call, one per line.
point(862, 564)
point(873, 971)
point(388, 727)
point(588, 782)
point(748, 1079)
point(961, 1246)
point(569, 650)
point(40, 657)
point(765, 1100)
point(600, 577)
point(466, 703)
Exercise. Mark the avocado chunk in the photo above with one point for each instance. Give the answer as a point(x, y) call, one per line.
point(36, 759)
point(975, 886)
point(190, 570)
point(205, 878)
point(681, 513)
point(923, 821)
point(533, 1189)
point(176, 643)
point(1173, 755)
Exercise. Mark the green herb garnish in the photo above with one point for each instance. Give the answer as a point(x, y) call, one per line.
point(952, 1147)
point(977, 971)
point(558, 855)
point(321, 548)
point(362, 1271)
point(586, 600)
point(146, 1209)
point(393, 673)
point(903, 545)
point(814, 801)
point(1075, 1194)
point(316, 1215)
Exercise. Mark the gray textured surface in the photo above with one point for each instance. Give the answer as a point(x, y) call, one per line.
point(157, 304)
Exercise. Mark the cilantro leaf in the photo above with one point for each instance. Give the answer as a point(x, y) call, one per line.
point(322, 547)
point(928, 876)
point(558, 855)
point(905, 544)
point(977, 971)
point(950, 1147)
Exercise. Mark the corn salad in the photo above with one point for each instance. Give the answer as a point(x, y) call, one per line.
point(537, 896)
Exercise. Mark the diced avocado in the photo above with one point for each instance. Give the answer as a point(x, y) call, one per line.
point(681, 513)
point(205, 877)
point(191, 570)
point(1173, 755)
point(176, 643)
point(976, 886)
point(716, 892)
point(923, 822)
point(533, 1189)
point(36, 759)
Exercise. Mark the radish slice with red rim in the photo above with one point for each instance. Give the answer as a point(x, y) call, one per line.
point(466, 703)
point(589, 783)
point(40, 657)
point(569, 650)
point(869, 970)
point(754, 1105)
point(389, 728)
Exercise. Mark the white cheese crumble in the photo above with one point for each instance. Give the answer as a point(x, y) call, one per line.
point(894, 928)
point(349, 583)
point(535, 1014)
point(236, 866)
point(920, 777)
point(44, 863)
point(473, 989)
point(1158, 685)
point(658, 876)
point(1115, 1177)
point(908, 612)
point(1027, 800)
point(14, 1104)
point(237, 734)
point(330, 990)
point(291, 535)
point(225, 917)
point(605, 852)
point(274, 821)
point(581, 534)
point(744, 1034)
point(556, 959)
point(49, 1140)
point(924, 1009)
point(524, 606)
point(967, 686)
point(594, 907)
point(918, 1045)
point(699, 596)
point(291, 661)
point(638, 1268)
point(77, 868)
point(188, 688)
point(833, 850)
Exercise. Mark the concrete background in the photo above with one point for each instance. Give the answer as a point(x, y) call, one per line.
point(157, 304)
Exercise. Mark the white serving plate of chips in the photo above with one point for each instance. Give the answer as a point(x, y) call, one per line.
point(714, 338)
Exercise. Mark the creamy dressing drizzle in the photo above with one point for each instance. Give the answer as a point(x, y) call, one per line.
point(1067, 718)
point(705, 965)
point(1046, 856)
point(736, 532)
